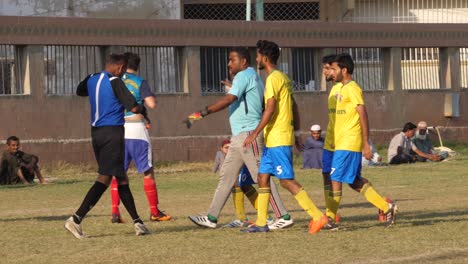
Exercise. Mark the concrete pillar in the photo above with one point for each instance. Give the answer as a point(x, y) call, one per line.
point(392, 69)
point(191, 57)
point(32, 68)
point(321, 83)
point(449, 68)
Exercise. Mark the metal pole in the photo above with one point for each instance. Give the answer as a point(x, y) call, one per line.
point(259, 10)
point(247, 9)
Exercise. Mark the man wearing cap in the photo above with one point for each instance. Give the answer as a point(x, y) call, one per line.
point(313, 149)
point(403, 150)
point(423, 142)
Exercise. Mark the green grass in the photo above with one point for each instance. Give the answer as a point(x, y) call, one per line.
point(432, 224)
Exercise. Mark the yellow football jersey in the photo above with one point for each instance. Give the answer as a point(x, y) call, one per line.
point(330, 137)
point(280, 130)
point(348, 133)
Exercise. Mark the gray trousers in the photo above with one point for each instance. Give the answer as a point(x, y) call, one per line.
point(236, 157)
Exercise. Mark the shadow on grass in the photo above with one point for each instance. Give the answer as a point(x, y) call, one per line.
point(55, 182)
point(45, 218)
point(414, 218)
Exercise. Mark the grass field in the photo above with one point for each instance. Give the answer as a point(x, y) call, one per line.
point(431, 227)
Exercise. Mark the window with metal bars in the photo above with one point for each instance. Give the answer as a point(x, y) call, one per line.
point(67, 66)
point(306, 10)
point(464, 68)
point(298, 64)
point(160, 67)
point(10, 71)
point(420, 68)
point(368, 67)
point(213, 69)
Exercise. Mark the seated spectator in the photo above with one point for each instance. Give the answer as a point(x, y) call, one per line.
point(221, 154)
point(17, 166)
point(402, 149)
point(376, 158)
point(424, 144)
point(313, 149)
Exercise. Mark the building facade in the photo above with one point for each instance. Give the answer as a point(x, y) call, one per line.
point(409, 71)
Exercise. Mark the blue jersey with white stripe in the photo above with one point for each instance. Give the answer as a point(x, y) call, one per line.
point(133, 83)
point(106, 110)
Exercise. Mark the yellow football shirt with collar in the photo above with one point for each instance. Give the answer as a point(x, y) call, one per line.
point(330, 137)
point(280, 129)
point(348, 133)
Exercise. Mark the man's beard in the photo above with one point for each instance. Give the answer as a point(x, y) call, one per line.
point(419, 136)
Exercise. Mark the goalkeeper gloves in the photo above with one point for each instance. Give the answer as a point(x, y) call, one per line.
point(195, 117)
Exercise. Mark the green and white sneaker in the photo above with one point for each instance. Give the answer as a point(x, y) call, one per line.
point(281, 223)
point(202, 220)
point(74, 228)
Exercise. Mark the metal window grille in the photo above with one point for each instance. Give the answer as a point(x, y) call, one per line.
point(464, 67)
point(10, 71)
point(298, 64)
point(408, 11)
point(420, 68)
point(160, 67)
point(213, 69)
point(368, 67)
point(307, 10)
point(66, 66)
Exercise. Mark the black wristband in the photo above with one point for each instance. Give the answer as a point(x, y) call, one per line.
point(204, 112)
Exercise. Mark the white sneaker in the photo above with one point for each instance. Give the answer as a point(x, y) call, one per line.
point(202, 220)
point(140, 229)
point(74, 228)
point(270, 221)
point(281, 223)
point(238, 223)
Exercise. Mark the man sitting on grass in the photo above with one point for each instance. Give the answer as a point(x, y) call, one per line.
point(17, 166)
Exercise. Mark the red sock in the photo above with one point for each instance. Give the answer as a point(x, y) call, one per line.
point(152, 194)
point(115, 197)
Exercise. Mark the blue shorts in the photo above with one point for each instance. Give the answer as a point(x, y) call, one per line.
point(245, 178)
point(346, 166)
point(140, 152)
point(138, 146)
point(277, 161)
point(327, 158)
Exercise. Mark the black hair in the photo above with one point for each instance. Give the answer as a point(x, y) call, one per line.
point(133, 61)
point(408, 126)
point(344, 60)
point(269, 49)
point(119, 59)
point(243, 53)
point(11, 138)
point(328, 59)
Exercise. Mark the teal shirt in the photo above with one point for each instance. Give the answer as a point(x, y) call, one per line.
point(133, 83)
point(248, 87)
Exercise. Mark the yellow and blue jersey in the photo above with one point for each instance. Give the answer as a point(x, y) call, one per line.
point(280, 129)
point(348, 133)
point(332, 98)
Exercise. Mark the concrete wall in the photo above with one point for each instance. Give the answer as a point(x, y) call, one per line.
point(57, 127)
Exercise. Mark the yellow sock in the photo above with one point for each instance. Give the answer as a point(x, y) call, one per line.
point(252, 195)
point(334, 201)
point(306, 203)
point(374, 197)
point(238, 198)
point(263, 198)
point(328, 197)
